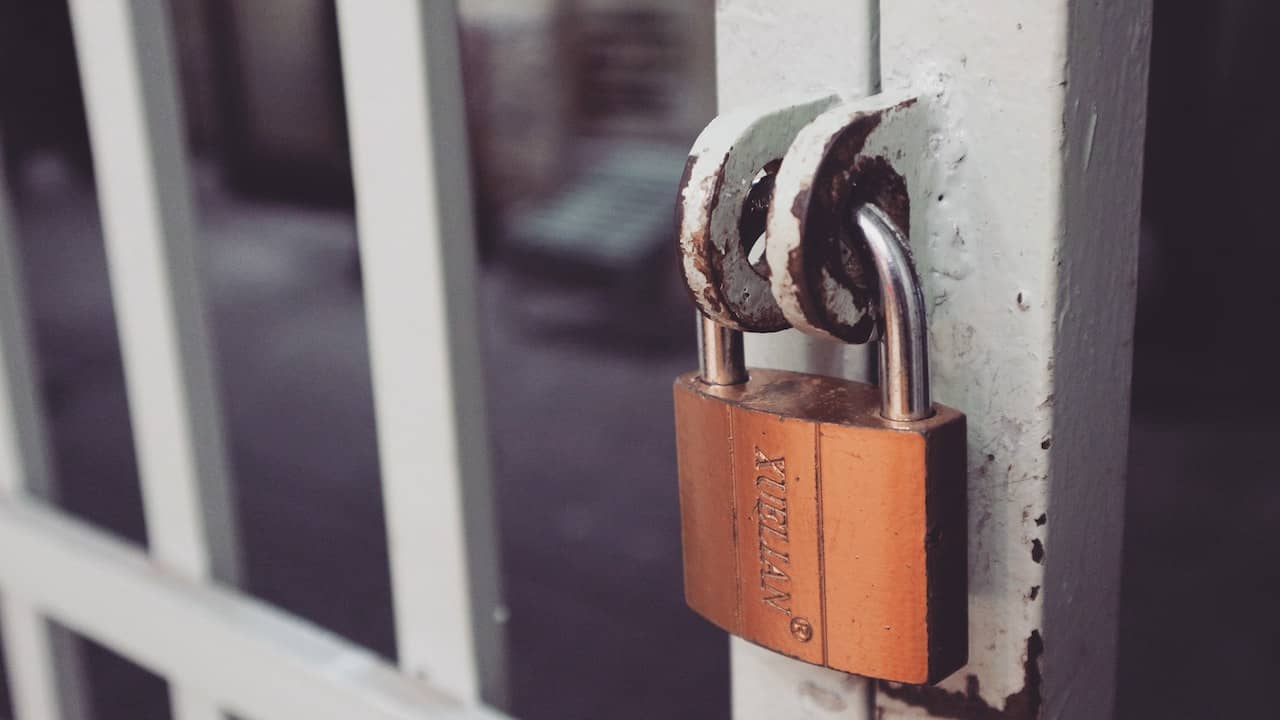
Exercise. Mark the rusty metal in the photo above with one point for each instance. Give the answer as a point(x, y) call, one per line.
point(824, 277)
point(724, 193)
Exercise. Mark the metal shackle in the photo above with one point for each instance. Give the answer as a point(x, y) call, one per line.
point(904, 346)
point(904, 333)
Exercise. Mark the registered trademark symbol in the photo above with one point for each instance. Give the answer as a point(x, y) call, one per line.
point(801, 629)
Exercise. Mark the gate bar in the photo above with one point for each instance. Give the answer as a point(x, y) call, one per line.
point(402, 73)
point(127, 65)
point(46, 668)
point(258, 661)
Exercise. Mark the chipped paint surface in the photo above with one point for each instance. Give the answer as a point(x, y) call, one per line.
point(968, 704)
point(850, 154)
point(723, 163)
point(1034, 134)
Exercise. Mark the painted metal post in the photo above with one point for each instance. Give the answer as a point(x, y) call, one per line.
point(1028, 257)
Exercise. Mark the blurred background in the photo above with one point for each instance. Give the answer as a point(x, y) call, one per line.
point(580, 112)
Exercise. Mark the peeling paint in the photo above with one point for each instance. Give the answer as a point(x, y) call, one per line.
point(968, 704)
point(716, 200)
point(851, 155)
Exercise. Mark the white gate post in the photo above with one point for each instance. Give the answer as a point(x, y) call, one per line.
point(1028, 257)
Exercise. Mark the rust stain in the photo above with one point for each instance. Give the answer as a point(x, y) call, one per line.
point(709, 298)
point(832, 245)
point(755, 214)
point(1024, 704)
point(736, 307)
point(679, 225)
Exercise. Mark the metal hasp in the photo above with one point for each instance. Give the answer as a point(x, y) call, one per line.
point(821, 518)
point(904, 347)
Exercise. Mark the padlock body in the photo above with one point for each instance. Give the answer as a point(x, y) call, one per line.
point(814, 527)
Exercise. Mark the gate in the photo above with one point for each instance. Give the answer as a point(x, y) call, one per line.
point(175, 610)
point(1028, 261)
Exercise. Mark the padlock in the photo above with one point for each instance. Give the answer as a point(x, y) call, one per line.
point(824, 518)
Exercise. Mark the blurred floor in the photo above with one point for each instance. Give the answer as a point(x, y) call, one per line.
point(584, 461)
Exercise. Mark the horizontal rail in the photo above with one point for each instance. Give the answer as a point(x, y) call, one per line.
point(253, 659)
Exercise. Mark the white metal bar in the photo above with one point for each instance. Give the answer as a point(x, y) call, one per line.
point(413, 207)
point(24, 465)
point(45, 663)
point(25, 460)
point(1030, 263)
point(764, 47)
point(33, 683)
point(258, 661)
point(135, 124)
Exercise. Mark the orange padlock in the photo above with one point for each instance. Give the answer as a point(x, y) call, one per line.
point(823, 518)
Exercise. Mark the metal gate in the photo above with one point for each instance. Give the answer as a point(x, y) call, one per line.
point(175, 609)
point(1028, 260)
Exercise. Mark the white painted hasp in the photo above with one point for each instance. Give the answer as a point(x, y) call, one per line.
point(870, 149)
point(725, 161)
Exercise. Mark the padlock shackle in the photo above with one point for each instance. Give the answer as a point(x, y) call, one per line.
point(904, 342)
point(721, 360)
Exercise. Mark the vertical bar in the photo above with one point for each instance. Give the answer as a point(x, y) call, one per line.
point(127, 65)
point(402, 75)
point(766, 47)
point(25, 460)
point(1029, 265)
point(45, 663)
point(29, 654)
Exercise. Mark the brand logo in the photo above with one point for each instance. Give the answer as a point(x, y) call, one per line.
point(774, 541)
